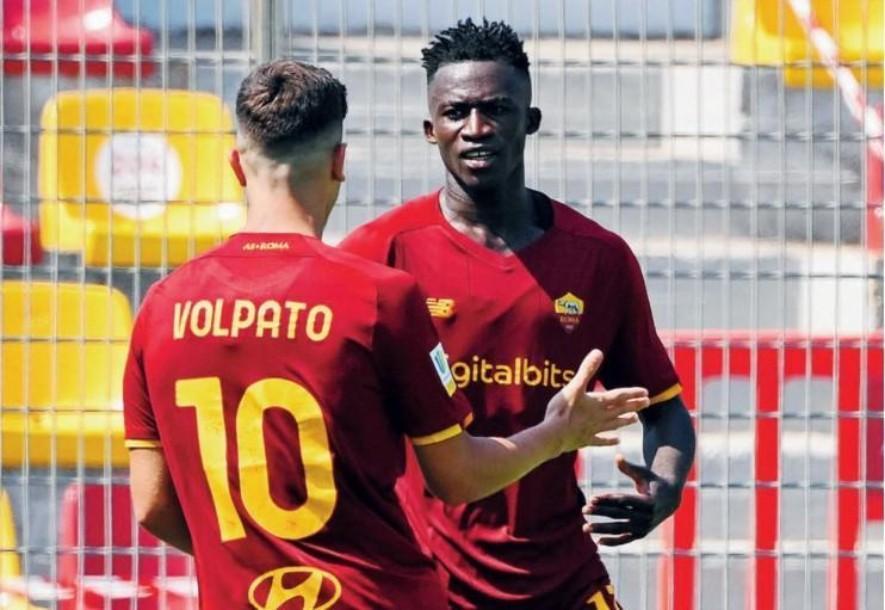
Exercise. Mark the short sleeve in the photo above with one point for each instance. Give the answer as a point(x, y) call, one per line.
point(138, 415)
point(369, 242)
point(637, 357)
point(414, 367)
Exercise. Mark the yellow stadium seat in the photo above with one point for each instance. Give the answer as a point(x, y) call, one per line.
point(10, 566)
point(136, 176)
point(767, 33)
point(63, 353)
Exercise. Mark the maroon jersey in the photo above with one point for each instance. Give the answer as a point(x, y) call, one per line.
point(279, 377)
point(516, 328)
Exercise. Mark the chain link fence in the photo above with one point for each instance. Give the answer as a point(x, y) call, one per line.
point(708, 133)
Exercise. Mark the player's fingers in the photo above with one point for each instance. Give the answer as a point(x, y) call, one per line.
point(639, 474)
point(618, 421)
point(630, 405)
point(603, 441)
point(611, 527)
point(615, 512)
point(619, 395)
point(627, 501)
point(586, 371)
point(624, 420)
point(617, 540)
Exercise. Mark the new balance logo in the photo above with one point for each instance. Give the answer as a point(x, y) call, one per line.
point(441, 308)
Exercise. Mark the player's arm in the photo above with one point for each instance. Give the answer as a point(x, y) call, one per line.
point(154, 499)
point(668, 446)
point(668, 434)
point(465, 468)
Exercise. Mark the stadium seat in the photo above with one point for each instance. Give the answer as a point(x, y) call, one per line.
point(112, 563)
point(85, 34)
point(63, 351)
point(136, 177)
point(12, 586)
point(20, 236)
point(767, 33)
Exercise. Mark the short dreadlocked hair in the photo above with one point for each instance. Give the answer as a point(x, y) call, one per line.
point(467, 41)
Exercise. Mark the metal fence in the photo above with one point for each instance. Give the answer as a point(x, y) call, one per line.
point(708, 133)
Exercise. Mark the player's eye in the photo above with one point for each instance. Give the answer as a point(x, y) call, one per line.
point(455, 113)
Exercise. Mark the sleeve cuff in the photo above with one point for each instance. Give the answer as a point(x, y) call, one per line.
point(438, 437)
point(142, 444)
point(671, 392)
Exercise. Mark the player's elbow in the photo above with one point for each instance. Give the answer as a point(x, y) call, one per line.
point(148, 513)
point(453, 492)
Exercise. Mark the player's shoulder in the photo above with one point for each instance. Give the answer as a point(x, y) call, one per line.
point(412, 215)
point(361, 273)
point(581, 228)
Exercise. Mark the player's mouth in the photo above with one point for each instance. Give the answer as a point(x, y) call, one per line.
point(479, 158)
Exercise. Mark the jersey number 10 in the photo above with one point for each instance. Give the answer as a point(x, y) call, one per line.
point(204, 394)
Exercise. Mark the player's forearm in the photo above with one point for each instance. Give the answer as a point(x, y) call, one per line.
point(499, 462)
point(484, 465)
point(669, 441)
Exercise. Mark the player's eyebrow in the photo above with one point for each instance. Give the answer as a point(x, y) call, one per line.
point(476, 101)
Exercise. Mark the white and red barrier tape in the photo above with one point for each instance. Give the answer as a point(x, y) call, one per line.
point(852, 92)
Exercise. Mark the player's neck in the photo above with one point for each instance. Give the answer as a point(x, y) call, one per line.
point(272, 211)
point(502, 219)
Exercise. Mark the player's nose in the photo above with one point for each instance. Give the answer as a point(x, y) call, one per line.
point(477, 125)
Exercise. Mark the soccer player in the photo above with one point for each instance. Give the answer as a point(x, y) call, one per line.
point(271, 382)
point(520, 287)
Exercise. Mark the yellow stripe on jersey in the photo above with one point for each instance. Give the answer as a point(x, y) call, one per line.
point(142, 444)
point(437, 437)
point(672, 391)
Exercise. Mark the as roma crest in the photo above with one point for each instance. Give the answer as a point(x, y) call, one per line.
point(569, 310)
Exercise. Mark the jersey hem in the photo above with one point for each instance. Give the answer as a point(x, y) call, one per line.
point(672, 391)
point(142, 444)
point(437, 437)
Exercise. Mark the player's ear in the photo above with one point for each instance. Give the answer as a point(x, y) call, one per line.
point(236, 164)
point(338, 155)
point(429, 133)
point(534, 123)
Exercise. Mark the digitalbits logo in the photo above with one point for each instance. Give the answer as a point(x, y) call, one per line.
point(284, 588)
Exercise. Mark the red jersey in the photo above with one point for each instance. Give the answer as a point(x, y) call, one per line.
point(516, 327)
point(279, 377)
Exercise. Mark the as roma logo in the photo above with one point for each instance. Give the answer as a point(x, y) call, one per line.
point(569, 309)
point(280, 589)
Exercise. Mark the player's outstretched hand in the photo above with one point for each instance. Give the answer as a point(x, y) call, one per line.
point(635, 515)
point(582, 417)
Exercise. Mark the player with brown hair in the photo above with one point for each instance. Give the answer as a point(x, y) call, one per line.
point(271, 381)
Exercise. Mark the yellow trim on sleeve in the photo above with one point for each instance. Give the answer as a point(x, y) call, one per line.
point(438, 437)
point(672, 391)
point(142, 444)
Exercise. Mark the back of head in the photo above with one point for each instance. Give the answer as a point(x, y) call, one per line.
point(467, 41)
point(286, 106)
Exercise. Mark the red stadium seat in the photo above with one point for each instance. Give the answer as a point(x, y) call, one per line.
point(88, 34)
point(116, 565)
point(15, 238)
